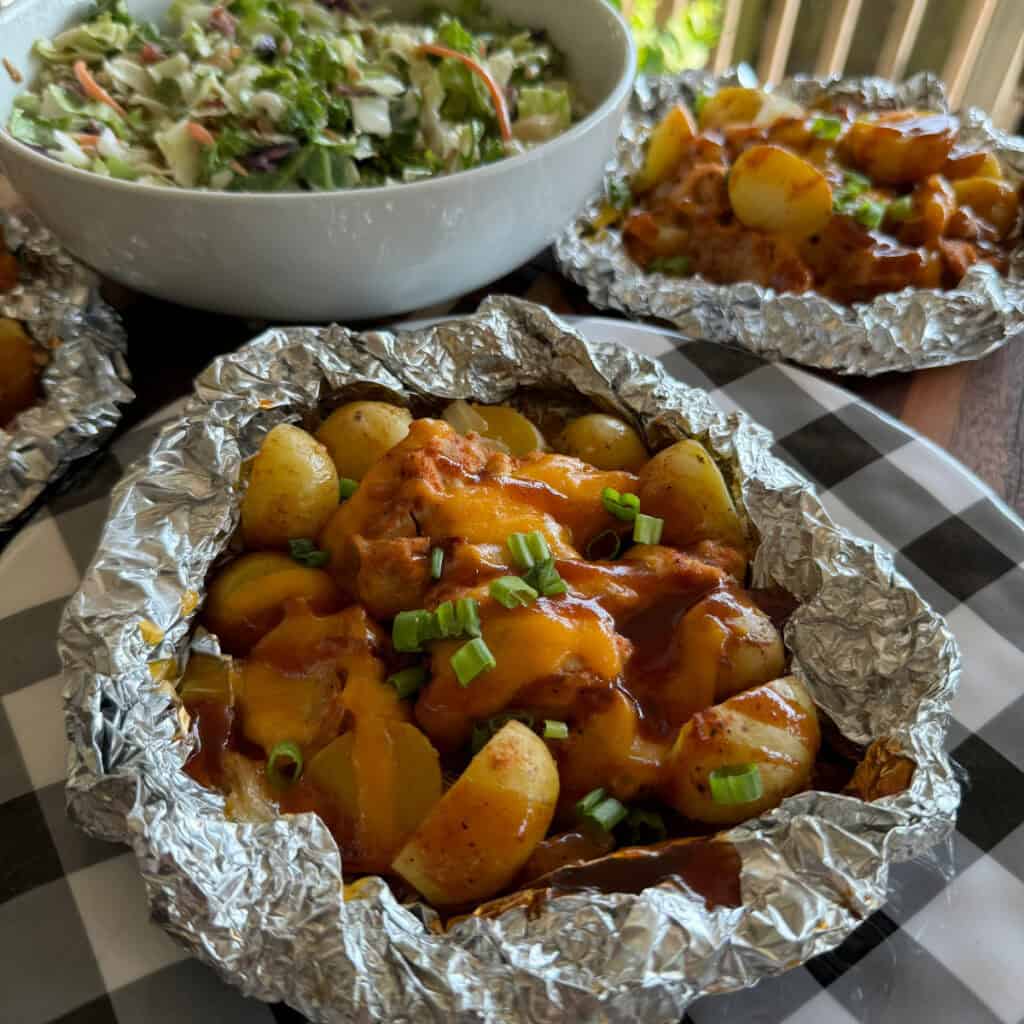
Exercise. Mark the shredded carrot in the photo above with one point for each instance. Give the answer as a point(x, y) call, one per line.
point(200, 134)
point(238, 169)
point(151, 54)
point(94, 90)
point(15, 75)
point(87, 140)
point(497, 96)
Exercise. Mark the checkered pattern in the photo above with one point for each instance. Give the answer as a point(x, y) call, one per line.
point(76, 943)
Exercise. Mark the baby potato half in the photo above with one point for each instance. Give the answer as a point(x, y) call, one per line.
point(604, 441)
point(359, 433)
point(292, 491)
point(479, 835)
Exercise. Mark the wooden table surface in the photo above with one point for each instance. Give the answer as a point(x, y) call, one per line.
point(974, 410)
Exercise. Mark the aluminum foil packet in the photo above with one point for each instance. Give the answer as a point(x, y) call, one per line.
point(907, 330)
point(85, 379)
point(265, 902)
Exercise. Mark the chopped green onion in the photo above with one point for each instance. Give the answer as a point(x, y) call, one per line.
point(855, 183)
point(544, 578)
point(472, 659)
point(700, 101)
point(901, 209)
point(646, 826)
point(622, 506)
point(736, 784)
point(447, 621)
point(608, 813)
point(620, 195)
point(869, 213)
point(826, 127)
point(554, 730)
point(647, 529)
point(409, 630)
point(467, 611)
point(347, 487)
point(604, 547)
point(676, 266)
point(528, 548)
point(436, 562)
point(281, 775)
point(513, 592)
point(306, 553)
point(409, 680)
point(590, 801)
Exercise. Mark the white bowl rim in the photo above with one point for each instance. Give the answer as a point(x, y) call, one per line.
point(170, 192)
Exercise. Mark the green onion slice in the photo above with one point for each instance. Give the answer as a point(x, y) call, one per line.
point(605, 547)
point(513, 592)
point(554, 730)
point(674, 266)
point(590, 801)
point(736, 784)
point(826, 127)
point(284, 764)
point(646, 826)
point(622, 506)
point(409, 680)
point(347, 487)
point(467, 611)
point(901, 209)
point(306, 553)
point(608, 813)
point(436, 562)
point(528, 548)
point(647, 529)
point(447, 621)
point(410, 629)
point(620, 195)
point(543, 577)
point(869, 213)
point(472, 659)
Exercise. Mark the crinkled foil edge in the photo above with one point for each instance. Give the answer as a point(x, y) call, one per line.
point(265, 903)
point(907, 330)
point(85, 380)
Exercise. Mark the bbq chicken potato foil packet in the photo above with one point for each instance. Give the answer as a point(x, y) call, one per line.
point(268, 899)
point(63, 376)
point(836, 259)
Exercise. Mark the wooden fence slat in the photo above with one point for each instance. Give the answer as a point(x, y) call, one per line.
point(722, 57)
point(777, 39)
point(835, 46)
point(1006, 110)
point(900, 38)
point(970, 35)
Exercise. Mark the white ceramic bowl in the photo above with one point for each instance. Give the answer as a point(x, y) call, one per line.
point(349, 255)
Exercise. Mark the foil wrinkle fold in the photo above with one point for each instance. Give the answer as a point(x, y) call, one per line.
point(266, 904)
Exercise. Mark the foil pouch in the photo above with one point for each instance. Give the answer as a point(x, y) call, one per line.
point(85, 379)
point(265, 903)
point(907, 330)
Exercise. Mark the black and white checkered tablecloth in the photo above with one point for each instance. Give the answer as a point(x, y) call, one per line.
point(75, 942)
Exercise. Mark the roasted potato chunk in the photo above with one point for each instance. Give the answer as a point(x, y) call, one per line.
point(604, 441)
point(359, 433)
point(480, 834)
point(902, 146)
point(247, 598)
point(732, 105)
point(511, 428)
point(997, 201)
point(774, 727)
point(292, 491)
point(775, 190)
point(665, 148)
point(683, 485)
point(19, 371)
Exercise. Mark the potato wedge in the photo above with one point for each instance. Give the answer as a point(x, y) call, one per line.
point(775, 190)
point(727, 644)
point(901, 146)
point(292, 491)
point(246, 599)
point(732, 105)
point(604, 441)
point(774, 727)
point(511, 428)
point(665, 148)
point(483, 830)
point(359, 433)
point(19, 372)
point(683, 485)
point(994, 200)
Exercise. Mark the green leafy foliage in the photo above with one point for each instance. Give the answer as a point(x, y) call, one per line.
point(684, 41)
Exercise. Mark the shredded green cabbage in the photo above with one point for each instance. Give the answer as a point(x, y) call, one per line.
point(272, 95)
